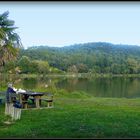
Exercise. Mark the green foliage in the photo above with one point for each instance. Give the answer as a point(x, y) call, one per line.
point(9, 40)
point(55, 70)
point(98, 57)
point(24, 64)
point(9, 67)
point(72, 69)
point(42, 66)
point(82, 68)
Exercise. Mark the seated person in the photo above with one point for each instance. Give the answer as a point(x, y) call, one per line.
point(10, 93)
point(10, 99)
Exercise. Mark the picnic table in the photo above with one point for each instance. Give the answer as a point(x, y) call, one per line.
point(24, 96)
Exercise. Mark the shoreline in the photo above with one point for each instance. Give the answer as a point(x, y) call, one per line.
point(79, 75)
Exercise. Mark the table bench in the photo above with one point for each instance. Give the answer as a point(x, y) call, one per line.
point(24, 98)
point(48, 100)
point(36, 99)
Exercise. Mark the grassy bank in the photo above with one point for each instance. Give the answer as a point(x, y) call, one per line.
point(77, 116)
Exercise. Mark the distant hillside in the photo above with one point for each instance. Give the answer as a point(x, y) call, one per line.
point(99, 57)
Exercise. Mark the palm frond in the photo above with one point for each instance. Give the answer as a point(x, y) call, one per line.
point(7, 23)
point(4, 15)
point(10, 41)
point(2, 33)
point(9, 29)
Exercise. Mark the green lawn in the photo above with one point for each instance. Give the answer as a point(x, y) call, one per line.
point(76, 116)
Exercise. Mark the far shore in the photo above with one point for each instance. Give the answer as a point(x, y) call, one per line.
point(72, 75)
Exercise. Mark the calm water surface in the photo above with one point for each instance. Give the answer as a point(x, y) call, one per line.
point(99, 87)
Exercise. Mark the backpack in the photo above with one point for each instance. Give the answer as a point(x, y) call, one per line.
point(17, 104)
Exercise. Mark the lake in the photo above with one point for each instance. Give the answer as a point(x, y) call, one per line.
point(118, 87)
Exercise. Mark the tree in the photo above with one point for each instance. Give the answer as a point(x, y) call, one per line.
point(24, 64)
point(9, 40)
point(132, 65)
point(72, 69)
point(43, 67)
point(82, 68)
point(9, 67)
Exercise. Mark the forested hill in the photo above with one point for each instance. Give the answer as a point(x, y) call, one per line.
point(96, 57)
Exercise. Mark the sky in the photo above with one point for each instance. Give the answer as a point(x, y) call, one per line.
point(61, 24)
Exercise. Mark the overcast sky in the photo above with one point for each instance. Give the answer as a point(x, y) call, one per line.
point(66, 23)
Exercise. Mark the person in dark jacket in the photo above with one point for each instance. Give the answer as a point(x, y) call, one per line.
point(10, 99)
point(10, 93)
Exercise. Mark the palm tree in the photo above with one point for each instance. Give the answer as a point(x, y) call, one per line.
point(9, 40)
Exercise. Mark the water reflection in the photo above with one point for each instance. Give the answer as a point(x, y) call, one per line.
point(98, 87)
point(104, 87)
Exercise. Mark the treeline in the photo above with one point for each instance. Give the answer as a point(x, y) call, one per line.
point(25, 65)
point(97, 57)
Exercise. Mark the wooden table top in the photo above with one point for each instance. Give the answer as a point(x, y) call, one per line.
point(32, 93)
